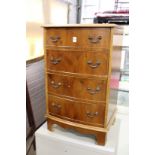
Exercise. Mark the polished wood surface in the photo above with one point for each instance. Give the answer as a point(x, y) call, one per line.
point(78, 37)
point(82, 25)
point(90, 62)
point(76, 111)
point(115, 74)
point(78, 67)
point(83, 88)
point(100, 133)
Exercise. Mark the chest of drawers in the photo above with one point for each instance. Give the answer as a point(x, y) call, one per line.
point(80, 61)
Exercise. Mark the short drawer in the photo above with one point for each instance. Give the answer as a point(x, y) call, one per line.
point(95, 63)
point(76, 111)
point(60, 107)
point(90, 113)
point(78, 37)
point(77, 87)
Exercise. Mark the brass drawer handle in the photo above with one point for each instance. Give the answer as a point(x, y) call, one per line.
point(94, 39)
point(57, 106)
point(90, 63)
point(55, 38)
point(55, 61)
point(92, 92)
point(91, 114)
point(55, 85)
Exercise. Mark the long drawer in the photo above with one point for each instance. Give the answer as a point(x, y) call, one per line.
point(78, 87)
point(78, 37)
point(76, 111)
point(95, 63)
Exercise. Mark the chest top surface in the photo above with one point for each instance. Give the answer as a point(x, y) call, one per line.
point(82, 25)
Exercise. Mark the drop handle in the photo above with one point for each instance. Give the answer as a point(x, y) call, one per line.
point(93, 39)
point(55, 61)
point(57, 106)
point(56, 85)
point(55, 38)
point(91, 114)
point(92, 65)
point(92, 91)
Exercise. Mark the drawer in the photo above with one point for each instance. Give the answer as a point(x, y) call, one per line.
point(95, 63)
point(77, 87)
point(60, 107)
point(76, 111)
point(78, 37)
point(90, 113)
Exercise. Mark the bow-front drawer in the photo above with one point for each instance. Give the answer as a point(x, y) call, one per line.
point(95, 63)
point(78, 37)
point(77, 87)
point(60, 107)
point(76, 111)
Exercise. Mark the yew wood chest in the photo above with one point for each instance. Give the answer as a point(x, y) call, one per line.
point(82, 73)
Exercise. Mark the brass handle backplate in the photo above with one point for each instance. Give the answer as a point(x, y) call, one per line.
point(92, 65)
point(55, 38)
point(55, 61)
point(93, 39)
point(57, 106)
point(92, 92)
point(91, 114)
point(56, 85)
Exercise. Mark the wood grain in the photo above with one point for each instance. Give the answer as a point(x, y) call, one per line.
point(84, 112)
point(92, 89)
point(62, 37)
point(79, 61)
point(95, 63)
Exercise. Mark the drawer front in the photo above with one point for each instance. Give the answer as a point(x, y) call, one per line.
point(95, 63)
point(82, 88)
point(78, 37)
point(76, 111)
point(90, 113)
point(60, 107)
